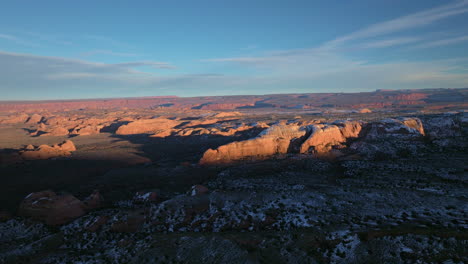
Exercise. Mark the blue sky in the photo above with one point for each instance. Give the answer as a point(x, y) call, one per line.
point(91, 49)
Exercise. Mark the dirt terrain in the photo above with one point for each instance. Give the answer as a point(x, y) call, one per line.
point(308, 178)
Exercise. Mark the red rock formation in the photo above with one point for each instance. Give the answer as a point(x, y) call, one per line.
point(14, 119)
point(63, 149)
point(227, 114)
point(275, 140)
point(146, 126)
point(406, 127)
point(414, 123)
point(86, 130)
point(54, 131)
point(34, 119)
point(324, 137)
point(51, 208)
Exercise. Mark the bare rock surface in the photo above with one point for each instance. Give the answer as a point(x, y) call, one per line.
point(63, 149)
point(146, 126)
point(51, 208)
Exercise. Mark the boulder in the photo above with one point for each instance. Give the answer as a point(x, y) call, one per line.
point(93, 201)
point(67, 145)
point(51, 208)
point(198, 190)
point(143, 197)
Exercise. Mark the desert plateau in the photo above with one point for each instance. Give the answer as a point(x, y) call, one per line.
point(378, 177)
point(234, 132)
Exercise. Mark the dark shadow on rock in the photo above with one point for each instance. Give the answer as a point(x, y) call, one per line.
point(113, 127)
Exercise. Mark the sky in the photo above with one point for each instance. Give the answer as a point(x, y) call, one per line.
point(104, 49)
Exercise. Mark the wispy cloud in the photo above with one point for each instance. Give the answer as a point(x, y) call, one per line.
point(419, 19)
point(17, 40)
point(331, 58)
point(152, 64)
point(62, 68)
point(442, 42)
point(48, 38)
point(108, 52)
point(390, 42)
point(108, 41)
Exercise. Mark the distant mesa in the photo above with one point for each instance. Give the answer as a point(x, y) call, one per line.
point(382, 98)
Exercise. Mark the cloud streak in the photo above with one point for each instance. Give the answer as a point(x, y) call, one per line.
point(16, 40)
point(419, 19)
point(442, 42)
point(108, 52)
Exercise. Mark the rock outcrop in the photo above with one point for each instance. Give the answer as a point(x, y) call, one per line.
point(34, 119)
point(86, 130)
point(198, 190)
point(63, 149)
point(323, 140)
point(14, 119)
point(324, 137)
point(277, 139)
point(399, 128)
point(53, 131)
point(51, 208)
point(147, 126)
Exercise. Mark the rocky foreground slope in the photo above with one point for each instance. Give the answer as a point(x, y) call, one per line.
point(390, 190)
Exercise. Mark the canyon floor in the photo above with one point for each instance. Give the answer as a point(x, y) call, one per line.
point(269, 184)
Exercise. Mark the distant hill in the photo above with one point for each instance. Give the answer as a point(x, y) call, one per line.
point(379, 99)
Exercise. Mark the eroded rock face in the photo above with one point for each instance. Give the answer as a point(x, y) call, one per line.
point(323, 140)
point(324, 137)
point(51, 208)
point(63, 149)
point(401, 128)
point(54, 131)
point(34, 119)
point(86, 130)
point(146, 126)
point(277, 139)
point(14, 119)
